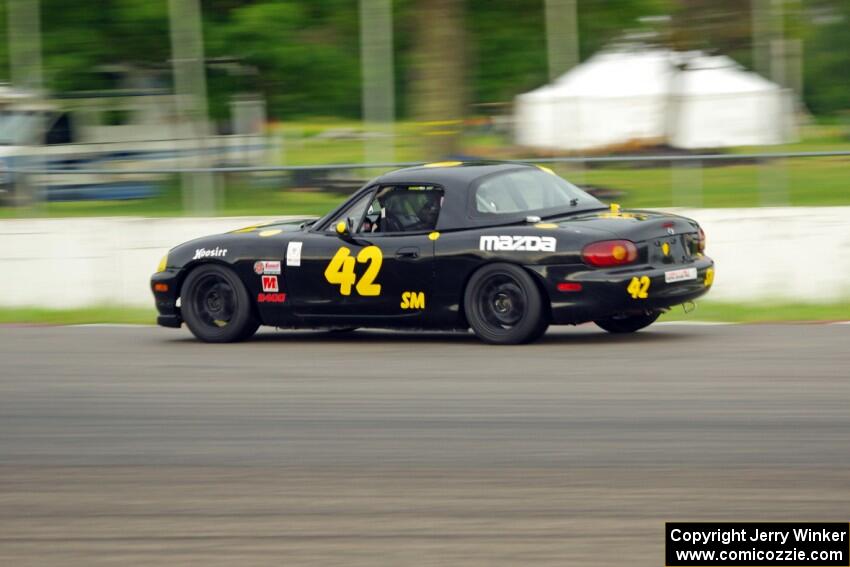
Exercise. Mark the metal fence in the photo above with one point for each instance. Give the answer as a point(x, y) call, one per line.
point(687, 177)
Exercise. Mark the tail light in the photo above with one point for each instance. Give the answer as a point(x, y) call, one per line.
point(610, 253)
point(701, 241)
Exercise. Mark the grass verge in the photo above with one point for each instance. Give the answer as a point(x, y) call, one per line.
point(88, 315)
point(761, 312)
point(705, 311)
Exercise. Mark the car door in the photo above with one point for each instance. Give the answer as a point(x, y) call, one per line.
point(363, 275)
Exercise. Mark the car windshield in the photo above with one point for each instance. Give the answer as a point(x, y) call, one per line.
point(529, 191)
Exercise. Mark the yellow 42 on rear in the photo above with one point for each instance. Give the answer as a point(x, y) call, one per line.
point(639, 287)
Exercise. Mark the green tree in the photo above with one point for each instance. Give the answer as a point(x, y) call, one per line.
point(303, 55)
point(306, 57)
point(723, 26)
point(827, 57)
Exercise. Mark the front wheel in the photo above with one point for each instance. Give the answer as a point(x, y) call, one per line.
point(216, 306)
point(628, 323)
point(504, 306)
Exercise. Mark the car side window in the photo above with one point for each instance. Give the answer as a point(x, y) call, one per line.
point(526, 190)
point(353, 214)
point(404, 209)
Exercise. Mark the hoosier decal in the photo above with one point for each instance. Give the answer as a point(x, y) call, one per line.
point(209, 253)
point(518, 243)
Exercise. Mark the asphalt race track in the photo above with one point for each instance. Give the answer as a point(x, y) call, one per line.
point(139, 446)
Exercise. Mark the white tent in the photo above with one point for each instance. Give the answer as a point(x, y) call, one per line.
point(717, 104)
point(654, 96)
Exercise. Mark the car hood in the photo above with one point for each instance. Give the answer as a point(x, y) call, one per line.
point(287, 225)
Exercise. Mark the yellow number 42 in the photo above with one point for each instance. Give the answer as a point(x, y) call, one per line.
point(340, 271)
point(639, 287)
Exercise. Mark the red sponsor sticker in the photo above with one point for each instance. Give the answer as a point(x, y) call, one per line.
point(270, 283)
point(271, 298)
point(271, 267)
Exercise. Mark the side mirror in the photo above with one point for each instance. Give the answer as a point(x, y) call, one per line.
point(345, 228)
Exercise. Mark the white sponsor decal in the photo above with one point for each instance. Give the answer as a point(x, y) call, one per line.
point(267, 267)
point(211, 253)
point(682, 275)
point(293, 254)
point(270, 283)
point(520, 243)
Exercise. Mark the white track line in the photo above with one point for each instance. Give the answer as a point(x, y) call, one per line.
point(107, 325)
point(704, 323)
point(671, 323)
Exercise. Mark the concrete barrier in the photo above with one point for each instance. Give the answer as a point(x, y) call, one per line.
point(790, 254)
point(799, 254)
point(68, 263)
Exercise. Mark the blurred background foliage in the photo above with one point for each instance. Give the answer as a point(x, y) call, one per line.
point(303, 55)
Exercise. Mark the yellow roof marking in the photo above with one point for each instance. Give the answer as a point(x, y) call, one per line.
point(443, 164)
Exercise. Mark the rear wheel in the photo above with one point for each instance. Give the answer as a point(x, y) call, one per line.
point(216, 306)
point(628, 323)
point(504, 306)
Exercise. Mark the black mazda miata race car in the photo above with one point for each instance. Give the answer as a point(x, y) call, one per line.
point(504, 248)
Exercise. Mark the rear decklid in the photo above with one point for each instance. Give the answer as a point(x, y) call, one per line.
point(661, 238)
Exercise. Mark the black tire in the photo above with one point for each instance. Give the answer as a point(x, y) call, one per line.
point(216, 306)
point(503, 305)
point(628, 323)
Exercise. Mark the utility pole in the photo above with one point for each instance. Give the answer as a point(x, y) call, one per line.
point(561, 36)
point(377, 78)
point(562, 50)
point(761, 36)
point(439, 91)
point(25, 72)
point(24, 21)
point(770, 59)
point(778, 72)
point(794, 51)
point(190, 86)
